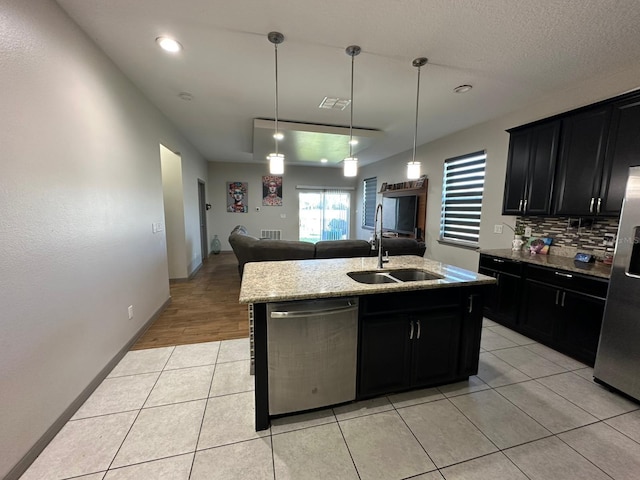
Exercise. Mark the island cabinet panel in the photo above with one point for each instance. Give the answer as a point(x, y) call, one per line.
point(385, 354)
point(417, 339)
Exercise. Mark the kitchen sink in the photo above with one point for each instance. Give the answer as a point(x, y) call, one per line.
point(372, 277)
point(393, 276)
point(414, 275)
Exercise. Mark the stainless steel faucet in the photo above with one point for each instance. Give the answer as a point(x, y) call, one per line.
point(378, 239)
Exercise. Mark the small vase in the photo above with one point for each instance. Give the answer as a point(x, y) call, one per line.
point(215, 245)
point(516, 244)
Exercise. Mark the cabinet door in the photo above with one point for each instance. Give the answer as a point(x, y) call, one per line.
point(517, 170)
point(542, 164)
point(436, 336)
point(623, 151)
point(580, 162)
point(579, 328)
point(385, 354)
point(538, 310)
point(491, 307)
point(508, 299)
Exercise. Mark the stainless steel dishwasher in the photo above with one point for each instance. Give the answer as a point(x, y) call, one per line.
point(311, 353)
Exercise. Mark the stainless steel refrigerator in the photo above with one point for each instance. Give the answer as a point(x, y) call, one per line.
point(618, 357)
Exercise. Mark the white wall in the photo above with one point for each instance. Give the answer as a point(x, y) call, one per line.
point(492, 137)
point(221, 222)
point(173, 198)
point(79, 189)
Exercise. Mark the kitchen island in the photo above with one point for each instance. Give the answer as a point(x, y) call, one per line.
point(410, 334)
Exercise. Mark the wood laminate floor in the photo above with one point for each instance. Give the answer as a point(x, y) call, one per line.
point(203, 309)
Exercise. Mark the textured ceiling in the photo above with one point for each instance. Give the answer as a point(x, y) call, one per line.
point(512, 52)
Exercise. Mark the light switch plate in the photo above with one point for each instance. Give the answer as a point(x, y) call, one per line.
point(497, 229)
point(527, 231)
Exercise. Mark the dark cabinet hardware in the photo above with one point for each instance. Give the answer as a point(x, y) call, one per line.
point(411, 331)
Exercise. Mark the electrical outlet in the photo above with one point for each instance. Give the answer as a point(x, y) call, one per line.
point(497, 229)
point(130, 311)
point(527, 231)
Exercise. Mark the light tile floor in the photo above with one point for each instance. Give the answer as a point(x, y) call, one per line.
point(187, 413)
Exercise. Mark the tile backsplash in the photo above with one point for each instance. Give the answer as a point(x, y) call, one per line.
point(572, 234)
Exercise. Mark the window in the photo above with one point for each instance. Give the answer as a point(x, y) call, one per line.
point(369, 188)
point(324, 215)
point(462, 189)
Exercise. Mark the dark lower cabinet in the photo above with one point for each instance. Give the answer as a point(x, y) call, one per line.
point(539, 305)
point(555, 313)
point(424, 338)
point(579, 331)
point(502, 301)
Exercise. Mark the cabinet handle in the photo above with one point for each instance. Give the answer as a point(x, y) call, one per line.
point(564, 294)
point(497, 279)
point(524, 210)
point(520, 205)
point(497, 260)
point(599, 204)
point(565, 275)
point(591, 205)
point(470, 303)
point(557, 295)
point(418, 336)
point(411, 333)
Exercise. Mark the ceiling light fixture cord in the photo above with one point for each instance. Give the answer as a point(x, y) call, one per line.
point(276, 38)
point(418, 62)
point(351, 163)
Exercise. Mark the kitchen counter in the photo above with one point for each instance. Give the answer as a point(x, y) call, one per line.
point(597, 269)
point(265, 282)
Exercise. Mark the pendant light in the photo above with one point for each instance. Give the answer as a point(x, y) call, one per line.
point(351, 162)
point(276, 160)
point(413, 167)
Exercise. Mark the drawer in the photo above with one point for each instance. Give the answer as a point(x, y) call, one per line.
point(500, 264)
point(569, 280)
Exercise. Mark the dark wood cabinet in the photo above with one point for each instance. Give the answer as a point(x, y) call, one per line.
point(623, 151)
point(539, 303)
point(591, 149)
point(502, 301)
point(530, 169)
point(581, 162)
point(418, 339)
point(563, 310)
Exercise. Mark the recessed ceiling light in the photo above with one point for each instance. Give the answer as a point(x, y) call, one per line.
point(185, 96)
point(462, 88)
point(323, 160)
point(169, 44)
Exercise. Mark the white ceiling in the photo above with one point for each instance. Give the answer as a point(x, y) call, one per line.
point(512, 52)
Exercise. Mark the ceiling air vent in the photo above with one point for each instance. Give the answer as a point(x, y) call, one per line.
point(334, 103)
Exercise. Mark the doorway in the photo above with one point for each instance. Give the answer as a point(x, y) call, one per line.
point(202, 203)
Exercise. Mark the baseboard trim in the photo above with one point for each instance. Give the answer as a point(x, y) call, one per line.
point(25, 462)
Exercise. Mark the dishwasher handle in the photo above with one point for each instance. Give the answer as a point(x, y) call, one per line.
point(310, 313)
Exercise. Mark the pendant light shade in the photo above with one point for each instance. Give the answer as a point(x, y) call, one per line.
point(351, 162)
point(276, 160)
point(413, 167)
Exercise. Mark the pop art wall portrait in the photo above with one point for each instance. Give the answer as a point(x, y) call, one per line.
point(237, 197)
point(272, 191)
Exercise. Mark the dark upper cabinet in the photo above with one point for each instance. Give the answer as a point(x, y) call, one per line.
point(623, 151)
point(530, 169)
point(581, 162)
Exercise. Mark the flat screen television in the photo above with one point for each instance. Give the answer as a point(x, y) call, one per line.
point(399, 214)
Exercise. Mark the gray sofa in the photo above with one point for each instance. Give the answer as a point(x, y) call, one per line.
point(248, 248)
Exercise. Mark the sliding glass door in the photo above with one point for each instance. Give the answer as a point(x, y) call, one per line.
point(324, 215)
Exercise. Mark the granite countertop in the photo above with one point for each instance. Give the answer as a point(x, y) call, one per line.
point(597, 269)
point(264, 282)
